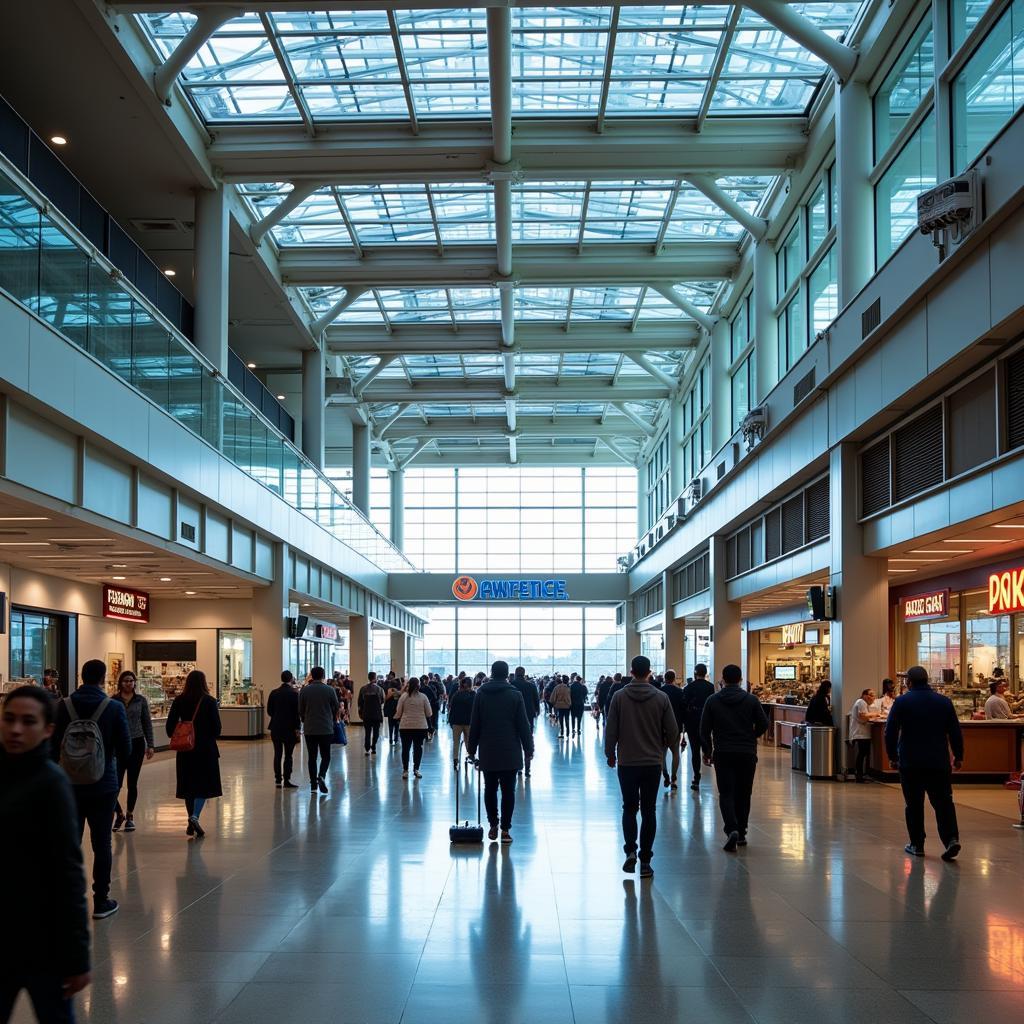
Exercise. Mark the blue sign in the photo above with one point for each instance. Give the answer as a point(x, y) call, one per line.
point(467, 588)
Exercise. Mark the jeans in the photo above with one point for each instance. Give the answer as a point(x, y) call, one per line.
point(318, 745)
point(194, 806)
point(460, 734)
point(47, 995)
point(863, 751)
point(693, 739)
point(734, 773)
point(132, 767)
point(413, 738)
point(563, 720)
point(371, 733)
point(284, 748)
point(938, 785)
point(393, 730)
point(98, 811)
point(639, 785)
point(507, 782)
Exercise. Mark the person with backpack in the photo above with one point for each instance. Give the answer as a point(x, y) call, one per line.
point(371, 710)
point(46, 945)
point(197, 764)
point(285, 726)
point(90, 737)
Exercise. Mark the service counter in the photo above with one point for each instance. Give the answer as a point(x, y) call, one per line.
point(992, 750)
point(783, 721)
point(241, 722)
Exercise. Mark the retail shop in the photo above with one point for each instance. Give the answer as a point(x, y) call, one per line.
point(314, 642)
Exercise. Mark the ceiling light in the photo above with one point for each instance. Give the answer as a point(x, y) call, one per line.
point(939, 551)
point(1007, 526)
point(918, 559)
point(82, 540)
point(170, 272)
point(973, 540)
point(252, 366)
point(24, 519)
point(280, 398)
point(902, 570)
point(165, 579)
point(117, 577)
point(119, 565)
point(59, 140)
point(189, 593)
point(24, 544)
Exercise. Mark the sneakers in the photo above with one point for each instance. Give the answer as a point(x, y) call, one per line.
point(288, 784)
point(197, 829)
point(118, 821)
point(917, 851)
point(675, 785)
point(732, 842)
point(695, 785)
point(278, 784)
point(312, 787)
point(416, 772)
point(952, 851)
point(646, 871)
point(129, 825)
point(191, 830)
point(366, 753)
point(104, 908)
point(742, 841)
point(493, 834)
point(506, 836)
point(666, 781)
point(629, 864)
point(322, 785)
point(405, 774)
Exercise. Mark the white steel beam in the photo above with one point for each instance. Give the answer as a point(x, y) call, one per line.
point(527, 426)
point(372, 374)
point(526, 456)
point(617, 452)
point(420, 444)
point(209, 18)
point(512, 453)
point(492, 389)
point(300, 192)
point(638, 420)
point(841, 59)
point(509, 369)
point(281, 55)
point(350, 296)
point(511, 417)
point(669, 292)
point(403, 72)
point(659, 375)
point(757, 226)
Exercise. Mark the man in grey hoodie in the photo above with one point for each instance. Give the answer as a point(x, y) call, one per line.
point(641, 727)
point(732, 721)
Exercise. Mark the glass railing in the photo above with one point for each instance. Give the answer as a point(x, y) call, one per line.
point(50, 270)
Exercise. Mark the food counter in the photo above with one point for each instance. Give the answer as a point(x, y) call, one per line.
point(241, 722)
point(992, 750)
point(783, 721)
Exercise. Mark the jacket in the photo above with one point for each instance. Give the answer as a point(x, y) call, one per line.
point(460, 707)
point(603, 690)
point(140, 721)
point(197, 772)
point(499, 728)
point(319, 708)
point(578, 694)
point(414, 711)
point(530, 695)
point(678, 702)
point(561, 697)
point(283, 709)
point(41, 860)
point(113, 723)
point(695, 695)
point(922, 729)
point(641, 726)
point(818, 711)
point(371, 704)
point(731, 723)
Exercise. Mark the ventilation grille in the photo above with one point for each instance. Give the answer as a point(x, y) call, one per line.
point(803, 387)
point(743, 551)
point(1015, 400)
point(773, 534)
point(817, 510)
point(721, 470)
point(730, 558)
point(792, 524)
point(874, 478)
point(871, 318)
point(917, 454)
point(690, 579)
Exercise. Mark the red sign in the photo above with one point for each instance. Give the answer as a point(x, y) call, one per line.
point(124, 604)
point(926, 606)
point(1006, 591)
point(327, 632)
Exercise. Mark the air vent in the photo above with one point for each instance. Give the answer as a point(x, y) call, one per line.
point(803, 387)
point(792, 524)
point(773, 534)
point(188, 532)
point(157, 224)
point(817, 510)
point(917, 454)
point(871, 318)
point(721, 470)
point(1015, 400)
point(874, 478)
point(743, 551)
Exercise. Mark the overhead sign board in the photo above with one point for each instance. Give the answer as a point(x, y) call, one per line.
point(325, 631)
point(125, 604)
point(469, 588)
point(1006, 591)
point(934, 605)
point(793, 634)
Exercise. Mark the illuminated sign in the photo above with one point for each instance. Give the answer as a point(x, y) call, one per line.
point(325, 631)
point(926, 606)
point(124, 604)
point(1006, 591)
point(467, 588)
point(793, 634)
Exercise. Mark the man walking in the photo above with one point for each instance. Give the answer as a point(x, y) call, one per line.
point(531, 698)
point(283, 709)
point(371, 710)
point(674, 692)
point(578, 695)
point(499, 730)
point(729, 728)
point(640, 728)
point(695, 695)
point(80, 717)
point(921, 731)
point(460, 714)
point(319, 708)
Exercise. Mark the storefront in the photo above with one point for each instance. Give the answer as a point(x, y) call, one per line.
point(319, 643)
point(39, 640)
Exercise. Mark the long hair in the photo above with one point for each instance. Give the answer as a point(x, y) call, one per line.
point(120, 682)
point(195, 686)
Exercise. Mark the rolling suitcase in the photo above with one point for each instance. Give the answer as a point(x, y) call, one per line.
point(466, 833)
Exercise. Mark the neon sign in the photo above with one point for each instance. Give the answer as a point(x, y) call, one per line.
point(1006, 591)
point(468, 588)
point(926, 606)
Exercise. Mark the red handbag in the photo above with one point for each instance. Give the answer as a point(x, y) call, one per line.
point(183, 739)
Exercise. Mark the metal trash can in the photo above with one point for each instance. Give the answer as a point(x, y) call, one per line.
point(798, 752)
point(821, 751)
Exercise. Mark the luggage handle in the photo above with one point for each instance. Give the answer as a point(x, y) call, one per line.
point(458, 787)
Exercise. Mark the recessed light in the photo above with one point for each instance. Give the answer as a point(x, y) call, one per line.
point(280, 398)
point(24, 519)
point(939, 551)
point(165, 579)
point(119, 565)
point(82, 540)
point(902, 570)
point(252, 366)
point(1007, 526)
point(59, 140)
point(170, 272)
point(973, 540)
point(24, 544)
point(117, 577)
point(918, 559)
point(190, 593)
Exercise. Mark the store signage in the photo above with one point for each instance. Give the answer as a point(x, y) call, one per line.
point(325, 631)
point(124, 604)
point(926, 606)
point(793, 634)
point(468, 588)
point(1006, 591)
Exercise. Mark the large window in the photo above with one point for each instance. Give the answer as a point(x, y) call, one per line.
point(743, 387)
point(697, 423)
point(912, 172)
point(657, 480)
point(743, 390)
point(823, 292)
point(904, 87)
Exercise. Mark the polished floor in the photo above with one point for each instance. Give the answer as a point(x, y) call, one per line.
point(351, 908)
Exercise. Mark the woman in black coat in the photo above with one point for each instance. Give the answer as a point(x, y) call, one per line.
point(198, 770)
point(819, 710)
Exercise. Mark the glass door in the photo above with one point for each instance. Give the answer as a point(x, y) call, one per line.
point(38, 642)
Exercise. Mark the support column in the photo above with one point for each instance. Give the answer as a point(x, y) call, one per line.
point(676, 468)
point(359, 659)
point(860, 635)
point(314, 398)
point(766, 329)
point(396, 478)
point(632, 635)
point(674, 632)
point(269, 612)
point(399, 649)
point(855, 213)
point(211, 276)
point(726, 648)
point(361, 468)
point(721, 385)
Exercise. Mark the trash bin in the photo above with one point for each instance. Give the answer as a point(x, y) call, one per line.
point(798, 752)
point(821, 751)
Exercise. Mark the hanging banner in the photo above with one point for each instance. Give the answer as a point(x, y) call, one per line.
point(468, 588)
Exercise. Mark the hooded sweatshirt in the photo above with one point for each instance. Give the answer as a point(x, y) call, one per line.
point(641, 724)
point(732, 721)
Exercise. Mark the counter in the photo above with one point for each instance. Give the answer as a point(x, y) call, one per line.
point(241, 722)
point(783, 721)
point(991, 751)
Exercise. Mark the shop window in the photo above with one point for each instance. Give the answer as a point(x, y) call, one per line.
point(972, 424)
point(38, 642)
point(912, 172)
point(161, 667)
point(987, 639)
point(935, 645)
point(235, 668)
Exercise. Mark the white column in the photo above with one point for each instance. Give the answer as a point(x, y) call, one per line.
point(359, 659)
point(676, 472)
point(211, 276)
point(314, 399)
point(860, 636)
point(269, 611)
point(361, 468)
point(721, 385)
point(674, 632)
point(766, 329)
point(396, 477)
point(632, 635)
point(855, 215)
point(399, 649)
point(724, 618)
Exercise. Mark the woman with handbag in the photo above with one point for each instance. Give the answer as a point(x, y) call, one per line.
point(194, 725)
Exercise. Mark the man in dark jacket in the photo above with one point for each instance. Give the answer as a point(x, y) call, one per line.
point(531, 698)
point(95, 800)
point(695, 694)
point(641, 727)
point(729, 727)
point(460, 715)
point(285, 726)
point(603, 691)
point(500, 731)
point(578, 704)
point(674, 692)
point(45, 948)
point(371, 710)
point(921, 730)
point(319, 709)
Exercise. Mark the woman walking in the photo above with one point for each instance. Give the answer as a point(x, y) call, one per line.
point(413, 714)
point(140, 727)
point(393, 690)
point(198, 769)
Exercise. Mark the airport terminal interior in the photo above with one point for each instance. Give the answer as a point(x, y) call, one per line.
point(398, 340)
